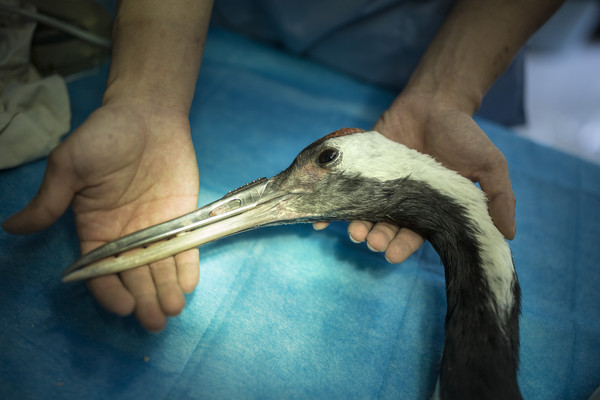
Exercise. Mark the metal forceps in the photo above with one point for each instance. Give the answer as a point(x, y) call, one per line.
point(201, 226)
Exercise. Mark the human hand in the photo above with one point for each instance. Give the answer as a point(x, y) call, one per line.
point(127, 167)
point(453, 138)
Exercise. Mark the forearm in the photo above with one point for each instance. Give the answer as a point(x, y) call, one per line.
point(474, 47)
point(157, 51)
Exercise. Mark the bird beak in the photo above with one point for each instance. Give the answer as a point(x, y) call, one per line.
point(256, 204)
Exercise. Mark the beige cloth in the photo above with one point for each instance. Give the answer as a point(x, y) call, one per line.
point(34, 111)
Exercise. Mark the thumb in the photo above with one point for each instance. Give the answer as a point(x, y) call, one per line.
point(502, 211)
point(501, 201)
point(50, 202)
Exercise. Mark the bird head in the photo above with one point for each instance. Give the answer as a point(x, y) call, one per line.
point(347, 174)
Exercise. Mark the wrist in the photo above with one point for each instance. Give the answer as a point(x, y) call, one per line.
point(144, 93)
point(432, 91)
point(149, 119)
point(415, 111)
point(420, 104)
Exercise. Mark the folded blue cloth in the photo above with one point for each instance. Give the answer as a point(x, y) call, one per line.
point(286, 312)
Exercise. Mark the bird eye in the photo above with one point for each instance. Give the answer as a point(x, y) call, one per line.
point(327, 156)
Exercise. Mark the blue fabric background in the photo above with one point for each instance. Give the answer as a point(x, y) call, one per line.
point(286, 312)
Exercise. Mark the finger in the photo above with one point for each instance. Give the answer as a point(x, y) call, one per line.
point(318, 226)
point(50, 202)
point(169, 292)
point(381, 235)
point(111, 294)
point(148, 311)
point(108, 290)
point(501, 199)
point(403, 245)
point(188, 270)
point(358, 230)
point(502, 211)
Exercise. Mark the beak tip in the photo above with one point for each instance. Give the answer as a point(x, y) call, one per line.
point(73, 276)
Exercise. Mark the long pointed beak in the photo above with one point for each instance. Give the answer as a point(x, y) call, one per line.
point(253, 205)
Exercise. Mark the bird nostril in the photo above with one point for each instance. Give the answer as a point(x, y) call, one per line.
point(223, 208)
point(327, 156)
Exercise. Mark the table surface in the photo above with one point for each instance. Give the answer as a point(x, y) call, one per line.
point(287, 312)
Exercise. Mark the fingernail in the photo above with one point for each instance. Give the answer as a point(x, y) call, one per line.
point(353, 240)
point(372, 249)
point(319, 226)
